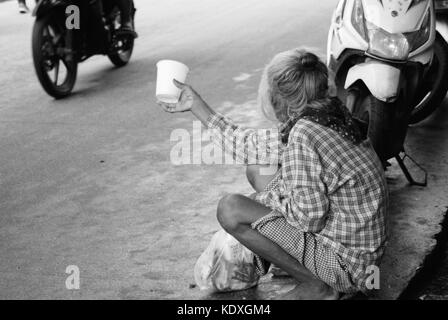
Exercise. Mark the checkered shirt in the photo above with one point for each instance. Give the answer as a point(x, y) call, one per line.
point(326, 186)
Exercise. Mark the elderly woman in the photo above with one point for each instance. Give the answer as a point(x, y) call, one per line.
point(321, 217)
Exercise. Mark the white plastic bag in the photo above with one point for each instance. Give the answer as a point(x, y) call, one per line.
point(226, 265)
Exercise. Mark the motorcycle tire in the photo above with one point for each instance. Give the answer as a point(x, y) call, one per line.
point(38, 44)
point(377, 115)
point(120, 59)
point(123, 58)
point(434, 99)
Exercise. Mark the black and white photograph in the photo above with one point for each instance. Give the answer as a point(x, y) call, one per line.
point(224, 155)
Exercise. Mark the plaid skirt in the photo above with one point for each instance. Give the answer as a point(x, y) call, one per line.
point(321, 260)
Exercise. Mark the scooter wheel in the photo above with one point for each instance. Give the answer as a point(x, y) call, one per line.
point(377, 116)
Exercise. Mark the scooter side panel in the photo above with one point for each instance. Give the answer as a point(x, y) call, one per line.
point(343, 36)
point(424, 57)
point(442, 27)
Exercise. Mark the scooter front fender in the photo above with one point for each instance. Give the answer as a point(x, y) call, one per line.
point(382, 80)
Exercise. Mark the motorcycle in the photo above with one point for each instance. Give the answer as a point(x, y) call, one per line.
point(57, 49)
point(390, 66)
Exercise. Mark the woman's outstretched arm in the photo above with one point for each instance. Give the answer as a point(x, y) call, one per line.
point(247, 146)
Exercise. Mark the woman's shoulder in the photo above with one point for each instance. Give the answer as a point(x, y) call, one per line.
point(307, 131)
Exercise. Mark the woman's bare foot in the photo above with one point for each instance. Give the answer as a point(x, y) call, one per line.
point(311, 291)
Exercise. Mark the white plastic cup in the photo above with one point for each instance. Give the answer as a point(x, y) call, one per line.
point(167, 70)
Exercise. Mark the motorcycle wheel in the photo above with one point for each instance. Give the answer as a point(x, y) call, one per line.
point(48, 46)
point(377, 116)
point(437, 86)
point(120, 57)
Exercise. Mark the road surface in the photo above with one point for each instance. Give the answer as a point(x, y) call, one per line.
point(88, 181)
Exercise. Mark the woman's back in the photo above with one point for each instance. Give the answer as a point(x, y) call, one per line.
point(355, 185)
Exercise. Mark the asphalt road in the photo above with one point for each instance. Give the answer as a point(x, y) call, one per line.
point(88, 181)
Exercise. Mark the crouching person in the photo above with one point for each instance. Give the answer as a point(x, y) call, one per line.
point(321, 216)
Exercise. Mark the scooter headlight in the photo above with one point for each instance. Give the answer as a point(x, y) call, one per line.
point(381, 43)
point(394, 46)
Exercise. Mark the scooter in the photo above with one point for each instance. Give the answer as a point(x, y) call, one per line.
point(390, 66)
point(58, 49)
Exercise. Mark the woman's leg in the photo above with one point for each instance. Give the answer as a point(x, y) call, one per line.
point(126, 11)
point(236, 213)
point(259, 182)
point(256, 178)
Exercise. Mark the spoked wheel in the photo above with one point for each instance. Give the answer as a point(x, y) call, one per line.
point(55, 69)
point(122, 46)
point(436, 85)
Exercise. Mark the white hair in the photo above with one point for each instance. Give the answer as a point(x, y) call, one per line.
point(292, 80)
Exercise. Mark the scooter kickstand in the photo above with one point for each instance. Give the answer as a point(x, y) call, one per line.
point(400, 159)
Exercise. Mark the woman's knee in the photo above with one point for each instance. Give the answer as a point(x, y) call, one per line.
point(228, 212)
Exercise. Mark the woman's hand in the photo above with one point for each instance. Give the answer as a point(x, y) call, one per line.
point(189, 100)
